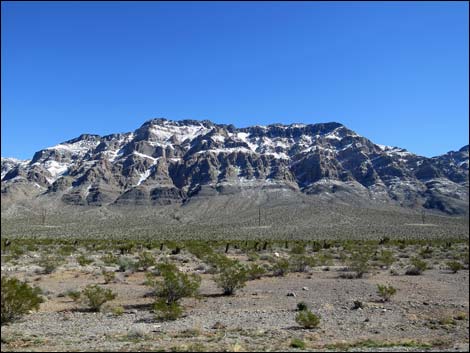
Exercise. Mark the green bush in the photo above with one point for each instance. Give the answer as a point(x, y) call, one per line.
point(302, 306)
point(74, 295)
point(298, 249)
point(95, 296)
point(83, 260)
point(175, 284)
point(454, 266)
point(255, 271)
point(418, 266)
point(17, 298)
point(109, 276)
point(49, 263)
point(126, 264)
point(300, 263)
point(145, 260)
point(359, 262)
point(109, 259)
point(167, 311)
point(385, 292)
point(297, 343)
point(307, 319)
point(386, 258)
point(281, 267)
point(231, 277)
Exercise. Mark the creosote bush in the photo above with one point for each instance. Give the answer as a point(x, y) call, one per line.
point(74, 295)
point(167, 311)
point(231, 277)
point(17, 298)
point(359, 261)
point(385, 292)
point(454, 266)
point(307, 319)
point(417, 267)
point(280, 267)
point(174, 286)
point(297, 343)
point(83, 260)
point(145, 260)
point(95, 296)
point(49, 263)
point(300, 263)
point(108, 276)
point(255, 271)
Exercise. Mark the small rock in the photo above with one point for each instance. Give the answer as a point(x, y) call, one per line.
point(305, 288)
point(218, 326)
point(291, 294)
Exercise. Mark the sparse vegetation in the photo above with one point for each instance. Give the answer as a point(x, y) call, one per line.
point(174, 286)
point(18, 298)
point(307, 319)
point(232, 276)
point(385, 292)
point(297, 343)
point(418, 266)
point(95, 296)
point(281, 267)
point(454, 266)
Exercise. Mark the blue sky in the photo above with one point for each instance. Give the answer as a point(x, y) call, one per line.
point(396, 73)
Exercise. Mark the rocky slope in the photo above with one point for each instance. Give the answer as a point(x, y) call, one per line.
point(165, 162)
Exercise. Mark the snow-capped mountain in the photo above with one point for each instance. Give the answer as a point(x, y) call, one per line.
point(167, 161)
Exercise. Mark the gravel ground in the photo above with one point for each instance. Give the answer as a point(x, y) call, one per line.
point(261, 316)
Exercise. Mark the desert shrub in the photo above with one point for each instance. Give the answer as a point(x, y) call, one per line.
point(280, 267)
point(109, 276)
point(386, 258)
point(117, 311)
point(454, 266)
point(126, 264)
point(298, 249)
point(359, 262)
point(255, 272)
point(167, 311)
point(418, 266)
point(49, 263)
point(385, 292)
point(307, 319)
point(297, 343)
point(17, 298)
point(83, 260)
point(426, 253)
point(300, 263)
point(252, 256)
point(302, 306)
point(95, 296)
point(231, 277)
point(175, 284)
point(74, 295)
point(145, 260)
point(324, 259)
point(66, 250)
point(109, 259)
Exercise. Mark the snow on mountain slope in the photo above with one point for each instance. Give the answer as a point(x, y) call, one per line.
point(167, 161)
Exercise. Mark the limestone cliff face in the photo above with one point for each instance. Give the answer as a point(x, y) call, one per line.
point(167, 161)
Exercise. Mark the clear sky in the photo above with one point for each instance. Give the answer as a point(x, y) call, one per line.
point(396, 73)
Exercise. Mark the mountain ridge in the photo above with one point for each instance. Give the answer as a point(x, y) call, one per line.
point(165, 161)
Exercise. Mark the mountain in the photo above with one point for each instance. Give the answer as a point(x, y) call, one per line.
point(173, 162)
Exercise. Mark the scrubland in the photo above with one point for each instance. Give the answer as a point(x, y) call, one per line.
point(240, 295)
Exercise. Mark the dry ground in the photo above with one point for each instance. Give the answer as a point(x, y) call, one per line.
point(429, 312)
